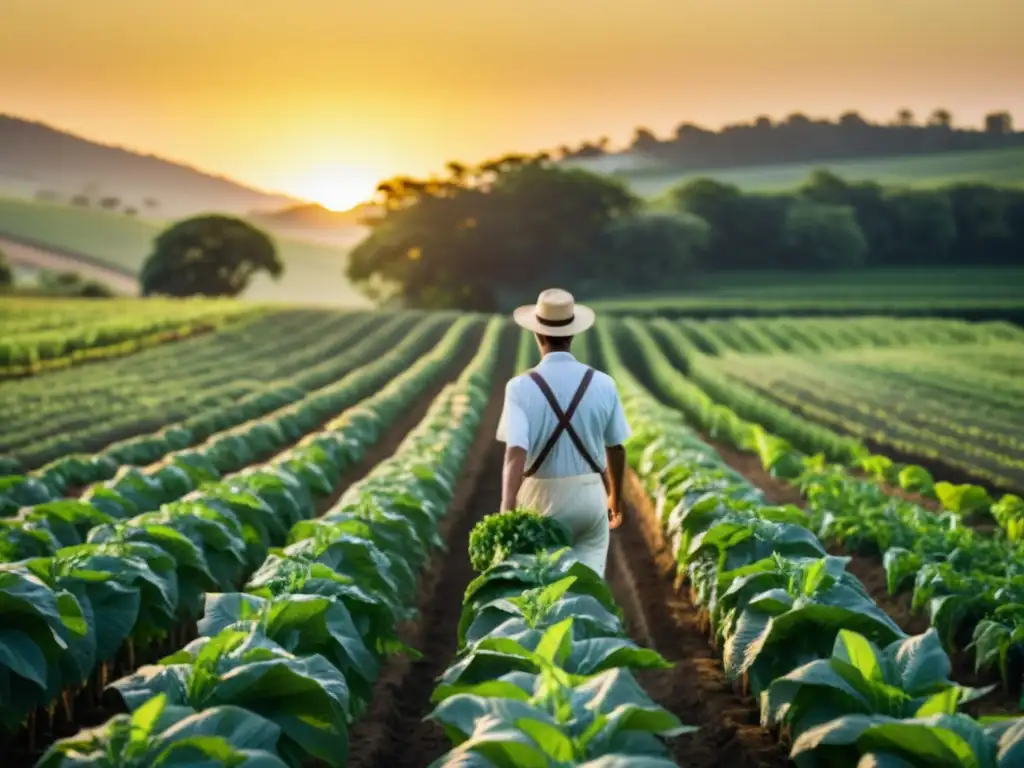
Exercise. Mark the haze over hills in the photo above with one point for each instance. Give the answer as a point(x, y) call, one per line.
point(36, 158)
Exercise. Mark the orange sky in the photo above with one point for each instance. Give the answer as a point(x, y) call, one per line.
point(321, 98)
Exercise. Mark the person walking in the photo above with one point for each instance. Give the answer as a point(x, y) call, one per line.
point(563, 428)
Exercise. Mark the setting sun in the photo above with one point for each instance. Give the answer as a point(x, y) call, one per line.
point(337, 187)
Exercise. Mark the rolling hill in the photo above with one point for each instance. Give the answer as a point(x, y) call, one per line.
point(38, 158)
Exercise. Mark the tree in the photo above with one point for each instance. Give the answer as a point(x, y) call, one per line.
point(922, 227)
point(110, 203)
point(80, 200)
point(644, 141)
point(6, 272)
point(905, 118)
point(494, 236)
point(130, 211)
point(208, 256)
point(941, 118)
point(999, 123)
point(652, 251)
point(823, 236)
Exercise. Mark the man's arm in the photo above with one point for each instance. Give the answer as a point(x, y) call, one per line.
point(512, 477)
point(616, 475)
point(615, 436)
point(514, 431)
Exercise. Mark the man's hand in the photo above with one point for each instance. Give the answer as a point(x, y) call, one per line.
point(614, 513)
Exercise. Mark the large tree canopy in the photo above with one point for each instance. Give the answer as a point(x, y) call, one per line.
point(208, 256)
point(484, 237)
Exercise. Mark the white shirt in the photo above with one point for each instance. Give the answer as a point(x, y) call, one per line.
point(527, 420)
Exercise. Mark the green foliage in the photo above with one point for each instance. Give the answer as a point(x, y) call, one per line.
point(823, 236)
point(486, 236)
point(544, 673)
point(517, 532)
point(208, 256)
point(647, 249)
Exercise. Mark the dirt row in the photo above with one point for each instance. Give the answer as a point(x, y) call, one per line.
point(394, 733)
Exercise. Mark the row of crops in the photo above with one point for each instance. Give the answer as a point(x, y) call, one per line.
point(282, 668)
point(967, 579)
point(722, 381)
point(828, 666)
point(227, 549)
point(188, 390)
point(123, 571)
point(47, 335)
point(236, 445)
point(978, 430)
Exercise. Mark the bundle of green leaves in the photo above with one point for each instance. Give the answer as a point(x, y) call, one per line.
point(517, 532)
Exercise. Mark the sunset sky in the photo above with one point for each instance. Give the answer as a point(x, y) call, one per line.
point(322, 98)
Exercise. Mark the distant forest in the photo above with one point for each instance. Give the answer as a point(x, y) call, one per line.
point(799, 138)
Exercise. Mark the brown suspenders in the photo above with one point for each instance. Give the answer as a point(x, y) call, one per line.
point(564, 423)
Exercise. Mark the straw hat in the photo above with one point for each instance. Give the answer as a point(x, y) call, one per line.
point(555, 314)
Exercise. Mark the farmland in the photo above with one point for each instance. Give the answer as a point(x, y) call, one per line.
point(239, 533)
point(120, 244)
point(1003, 167)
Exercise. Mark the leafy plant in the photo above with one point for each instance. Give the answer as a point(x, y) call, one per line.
point(517, 532)
point(908, 678)
point(159, 735)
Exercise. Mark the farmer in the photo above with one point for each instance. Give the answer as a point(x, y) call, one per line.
point(563, 427)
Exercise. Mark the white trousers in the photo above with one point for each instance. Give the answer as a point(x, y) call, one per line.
point(580, 503)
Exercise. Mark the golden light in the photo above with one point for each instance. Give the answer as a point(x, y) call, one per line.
point(336, 186)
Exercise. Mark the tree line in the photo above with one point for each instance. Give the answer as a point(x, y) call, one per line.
point(488, 237)
point(799, 138)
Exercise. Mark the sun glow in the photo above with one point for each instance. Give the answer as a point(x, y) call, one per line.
point(338, 187)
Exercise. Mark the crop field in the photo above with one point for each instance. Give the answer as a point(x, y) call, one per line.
point(1001, 167)
point(974, 293)
point(241, 534)
point(314, 272)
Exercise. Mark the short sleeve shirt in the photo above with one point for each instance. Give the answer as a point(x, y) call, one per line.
point(527, 420)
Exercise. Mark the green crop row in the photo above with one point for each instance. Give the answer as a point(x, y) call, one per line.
point(136, 568)
point(58, 344)
point(827, 665)
point(983, 442)
point(203, 387)
point(281, 418)
point(281, 669)
point(726, 409)
point(971, 584)
point(543, 674)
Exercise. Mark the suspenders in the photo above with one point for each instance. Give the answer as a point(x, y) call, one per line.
point(564, 423)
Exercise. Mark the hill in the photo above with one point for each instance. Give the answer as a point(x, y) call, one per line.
point(37, 158)
point(1004, 167)
point(83, 237)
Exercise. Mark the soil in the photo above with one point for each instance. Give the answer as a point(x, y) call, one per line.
point(642, 573)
